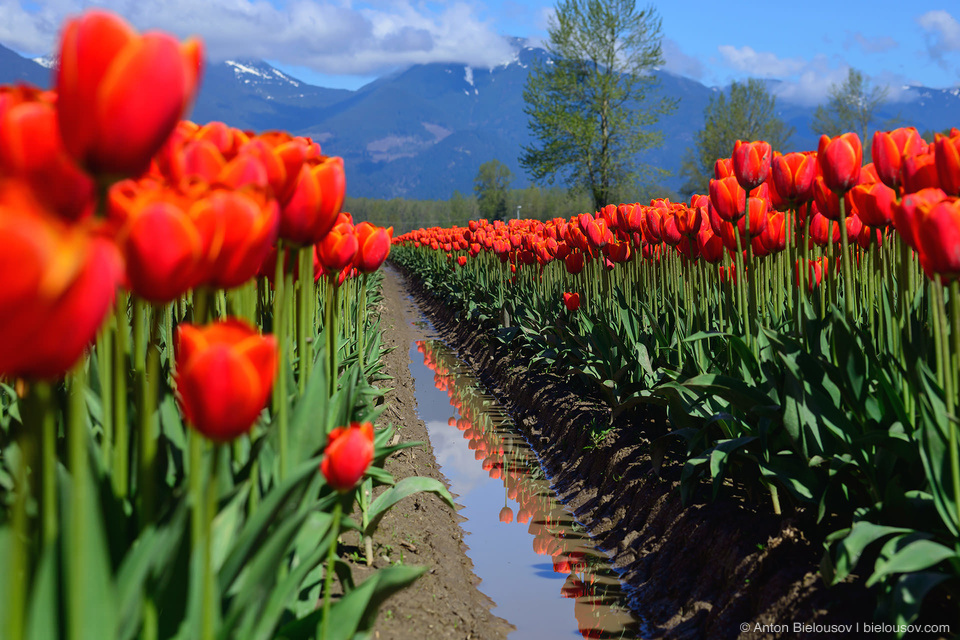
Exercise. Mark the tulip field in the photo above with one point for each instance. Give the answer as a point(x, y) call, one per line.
point(799, 324)
point(187, 364)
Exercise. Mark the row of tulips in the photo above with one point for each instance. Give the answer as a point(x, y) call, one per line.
point(173, 461)
point(783, 320)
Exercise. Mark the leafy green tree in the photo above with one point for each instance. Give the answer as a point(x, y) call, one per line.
point(852, 106)
point(593, 102)
point(748, 113)
point(491, 184)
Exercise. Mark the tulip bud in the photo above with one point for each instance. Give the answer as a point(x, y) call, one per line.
point(751, 163)
point(571, 301)
point(348, 453)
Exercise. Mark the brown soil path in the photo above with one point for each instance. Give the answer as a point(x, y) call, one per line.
point(445, 603)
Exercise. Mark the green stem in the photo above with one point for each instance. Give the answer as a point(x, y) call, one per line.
point(210, 509)
point(328, 576)
point(149, 429)
point(330, 326)
point(305, 281)
point(848, 284)
point(121, 445)
point(80, 507)
point(280, 387)
point(104, 350)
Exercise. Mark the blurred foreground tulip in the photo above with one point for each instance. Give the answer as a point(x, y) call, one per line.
point(121, 94)
point(57, 283)
point(347, 456)
point(225, 373)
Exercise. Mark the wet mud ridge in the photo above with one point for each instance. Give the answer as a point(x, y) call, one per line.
point(721, 569)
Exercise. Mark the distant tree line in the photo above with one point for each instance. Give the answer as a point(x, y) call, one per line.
point(405, 215)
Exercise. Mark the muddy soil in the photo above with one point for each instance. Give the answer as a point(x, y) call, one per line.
point(722, 569)
point(444, 604)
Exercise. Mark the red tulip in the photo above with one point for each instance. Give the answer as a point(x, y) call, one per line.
point(751, 163)
point(874, 203)
point(224, 375)
point(31, 148)
point(793, 176)
point(121, 94)
point(571, 301)
point(57, 284)
point(906, 212)
point(947, 155)
point(248, 221)
point(338, 248)
point(574, 263)
point(373, 246)
point(889, 149)
point(919, 172)
point(348, 453)
point(840, 160)
point(167, 249)
point(313, 207)
point(937, 229)
point(728, 198)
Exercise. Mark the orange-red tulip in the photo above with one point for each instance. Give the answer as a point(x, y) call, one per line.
point(338, 248)
point(906, 212)
point(313, 207)
point(947, 155)
point(874, 203)
point(248, 221)
point(31, 148)
point(373, 246)
point(751, 163)
point(937, 229)
point(121, 94)
point(57, 283)
point(225, 372)
point(919, 172)
point(889, 149)
point(347, 455)
point(571, 301)
point(840, 160)
point(793, 175)
point(506, 514)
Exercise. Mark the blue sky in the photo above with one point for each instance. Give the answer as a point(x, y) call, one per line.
point(342, 43)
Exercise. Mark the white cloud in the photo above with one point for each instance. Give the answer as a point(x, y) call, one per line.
point(759, 63)
point(878, 44)
point(676, 61)
point(328, 37)
point(942, 35)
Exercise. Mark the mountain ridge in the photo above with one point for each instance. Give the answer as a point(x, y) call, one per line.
point(423, 131)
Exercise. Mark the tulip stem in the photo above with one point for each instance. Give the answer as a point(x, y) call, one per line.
point(330, 322)
point(210, 510)
point(17, 553)
point(121, 447)
point(331, 559)
point(848, 284)
point(149, 384)
point(279, 330)
point(80, 505)
point(104, 349)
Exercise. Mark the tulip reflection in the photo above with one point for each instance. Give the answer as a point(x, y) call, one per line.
point(599, 604)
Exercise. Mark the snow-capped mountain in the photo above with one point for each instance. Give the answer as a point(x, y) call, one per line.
point(423, 132)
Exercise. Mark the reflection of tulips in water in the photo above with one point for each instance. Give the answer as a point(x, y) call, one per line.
point(504, 455)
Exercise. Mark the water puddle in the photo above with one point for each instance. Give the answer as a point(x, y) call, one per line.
point(535, 561)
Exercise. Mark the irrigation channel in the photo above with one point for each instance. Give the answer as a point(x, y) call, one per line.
point(535, 561)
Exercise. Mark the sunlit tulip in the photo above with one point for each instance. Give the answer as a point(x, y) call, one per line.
point(224, 372)
point(31, 149)
point(937, 229)
point(906, 212)
point(919, 172)
point(338, 248)
point(728, 198)
point(348, 453)
point(315, 203)
point(946, 152)
point(121, 94)
point(840, 160)
point(751, 163)
point(373, 246)
point(793, 175)
point(888, 150)
point(57, 284)
point(874, 203)
point(247, 222)
point(571, 301)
